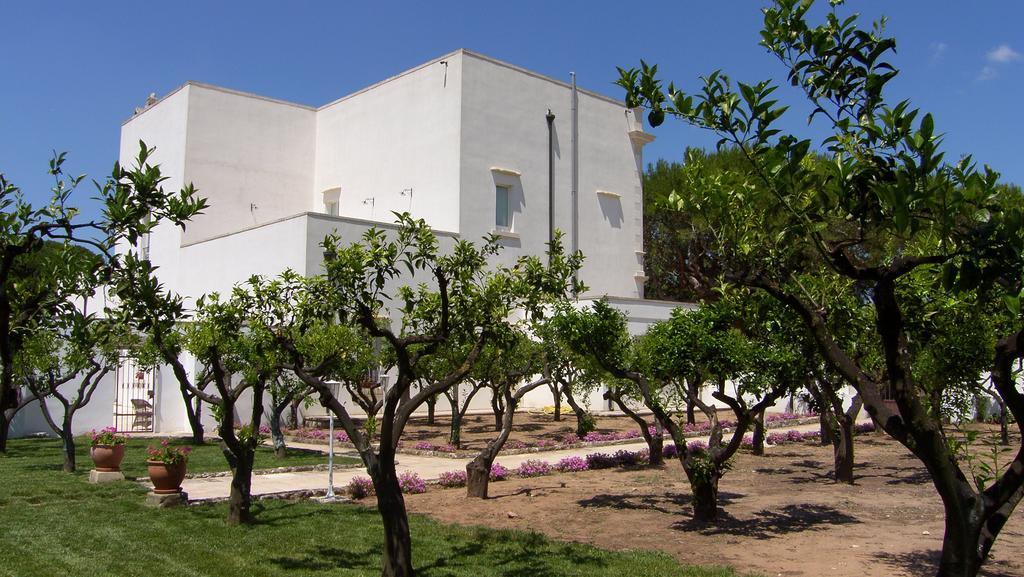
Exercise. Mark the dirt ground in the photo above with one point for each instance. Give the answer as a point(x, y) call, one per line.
point(478, 430)
point(783, 516)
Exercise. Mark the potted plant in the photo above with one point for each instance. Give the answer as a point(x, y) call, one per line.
point(107, 449)
point(167, 465)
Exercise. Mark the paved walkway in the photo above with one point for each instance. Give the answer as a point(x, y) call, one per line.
point(428, 468)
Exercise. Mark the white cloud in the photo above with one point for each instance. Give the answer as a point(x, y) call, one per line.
point(988, 72)
point(938, 51)
point(1002, 54)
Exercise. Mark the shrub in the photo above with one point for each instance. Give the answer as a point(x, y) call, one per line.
point(572, 464)
point(670, 451)
point(697, 446)
point(498, 472)
point(411, 483)
point(452, 479)
point(587, 423)
point(747, 442)
point(515, 445)
point(360, 487)
point(624, 458)
point(341, 437)
point(533, 468)
point(424, 446)
point(868, 427)
point(794, 436)
point(264, 430)
point(776, 438)
point(600, 461)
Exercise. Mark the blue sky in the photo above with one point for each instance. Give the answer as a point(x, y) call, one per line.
point(73, 71)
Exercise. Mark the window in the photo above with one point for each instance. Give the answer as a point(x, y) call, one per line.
point(502, 211)
point(332, 201)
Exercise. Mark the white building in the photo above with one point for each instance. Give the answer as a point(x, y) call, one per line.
point(463, 141)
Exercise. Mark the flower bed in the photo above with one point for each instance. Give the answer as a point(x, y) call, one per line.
point(517, 447)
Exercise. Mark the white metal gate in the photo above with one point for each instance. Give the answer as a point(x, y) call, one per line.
point(134, 396)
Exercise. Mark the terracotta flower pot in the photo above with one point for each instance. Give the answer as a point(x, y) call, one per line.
point(166, 478)
point(107, 457)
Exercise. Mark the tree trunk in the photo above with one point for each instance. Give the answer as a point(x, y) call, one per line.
point(240, 498)
point(293, 412)
point(655, 443)
point(960, 546)
point(497, 409)
point(455, 434)
point(276, 435)
point(397, 540)
point(195, 416)
point(431, 401)
point(759, 434)
point(691, 417)
point(1004, 428)
point(478, 476)
point(656, 448)
point(825, 427)
point(5, 430)
point(843, 448)
point(68, 445)
point(705, 497)
point(582, 425)
point(556, 394)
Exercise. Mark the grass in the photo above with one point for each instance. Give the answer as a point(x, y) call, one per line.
point(206, 458)
point(58, 524)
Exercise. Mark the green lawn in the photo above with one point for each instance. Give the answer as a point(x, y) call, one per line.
point(205, 458)
point(52, 523)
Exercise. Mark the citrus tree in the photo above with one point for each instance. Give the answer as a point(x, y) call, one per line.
point(887, 208)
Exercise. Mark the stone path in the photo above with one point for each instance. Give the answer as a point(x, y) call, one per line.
point(428, 468)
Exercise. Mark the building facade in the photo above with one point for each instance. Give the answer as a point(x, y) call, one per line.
point(470, 144)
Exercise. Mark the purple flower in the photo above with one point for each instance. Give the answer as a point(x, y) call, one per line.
point(360, 487)
point(452, 479)
point(533, 468)
point(572, 464)
point(498, 472)
point(411, 483)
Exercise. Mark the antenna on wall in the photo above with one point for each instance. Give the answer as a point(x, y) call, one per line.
point(372, 201)
point(407, 192)
point(445, 62)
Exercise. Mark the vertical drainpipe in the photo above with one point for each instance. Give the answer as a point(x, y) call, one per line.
point(575, 169)
point(551, 179)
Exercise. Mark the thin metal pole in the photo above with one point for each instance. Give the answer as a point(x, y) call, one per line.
point(330, 458)
point(575, 169)
point(551, 179)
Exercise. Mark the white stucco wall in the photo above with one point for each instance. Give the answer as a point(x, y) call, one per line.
point(504, 126)
point(399, 134)
point(252, 157)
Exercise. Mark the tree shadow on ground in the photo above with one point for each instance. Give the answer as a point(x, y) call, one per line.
point(767, 524)
point(530, 491)
point(510, 554)
point(330, 558)
point(923, 563)
point(668, 503)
